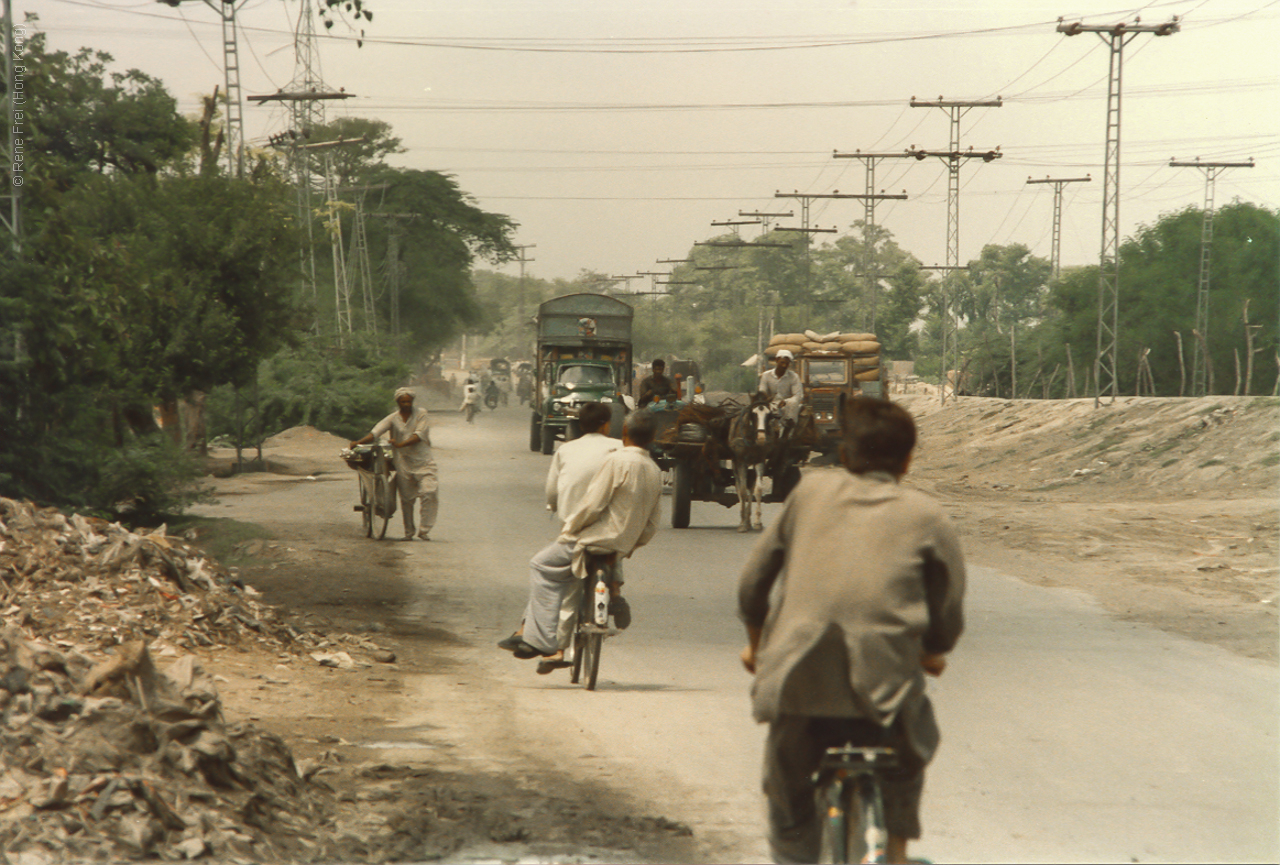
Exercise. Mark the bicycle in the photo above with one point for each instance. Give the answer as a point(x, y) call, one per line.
point(593, 619)
point(374, 472)
point(848, 782)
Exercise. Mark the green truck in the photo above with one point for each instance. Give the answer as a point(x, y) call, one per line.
point(583, 355)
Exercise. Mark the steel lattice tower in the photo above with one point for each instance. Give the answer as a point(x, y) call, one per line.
point(1202, 369)
point(1055, 255)
point(1117, 36)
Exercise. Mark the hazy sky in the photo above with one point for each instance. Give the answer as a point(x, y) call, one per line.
point(616, 132)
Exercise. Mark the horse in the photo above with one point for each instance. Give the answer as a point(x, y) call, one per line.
point(753, 439)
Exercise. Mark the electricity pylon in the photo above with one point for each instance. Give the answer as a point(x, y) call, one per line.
point(1055, 255)
point(1201, 368)
point(1117, 36)
point(953, 156)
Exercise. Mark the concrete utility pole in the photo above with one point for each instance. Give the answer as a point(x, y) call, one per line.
point(1117, 36)
point(14, 102)
point(953, 156)
point(1202, 369)
point(1055, 255)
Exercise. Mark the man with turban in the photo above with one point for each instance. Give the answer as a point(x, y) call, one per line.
point(783, 387)
point(416, 476)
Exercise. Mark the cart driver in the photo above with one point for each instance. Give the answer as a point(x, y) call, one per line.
point(783, 387)
point(416, 475)
point(656, 387)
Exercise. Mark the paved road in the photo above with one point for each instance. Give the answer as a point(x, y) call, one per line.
point(1069, 736)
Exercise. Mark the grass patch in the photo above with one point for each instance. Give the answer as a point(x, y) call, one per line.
point(1213, 462)
point(1270, 460)
point(1274, 437)
point(1265, 402)
point(219, 536)
point(1167, 463)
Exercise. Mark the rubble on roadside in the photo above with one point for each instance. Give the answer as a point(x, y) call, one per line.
point(119, 761)
point(105, 758)
point(86, 584)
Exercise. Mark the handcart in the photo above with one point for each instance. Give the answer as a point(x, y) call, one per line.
point(376, 474)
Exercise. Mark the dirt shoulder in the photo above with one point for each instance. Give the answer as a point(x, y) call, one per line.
point(1164, 510)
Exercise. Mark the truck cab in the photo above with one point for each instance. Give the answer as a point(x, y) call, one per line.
point(827, 380)
point(583, 355)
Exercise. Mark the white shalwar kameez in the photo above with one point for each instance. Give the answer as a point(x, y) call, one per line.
point(416, 473)
point(787, 388)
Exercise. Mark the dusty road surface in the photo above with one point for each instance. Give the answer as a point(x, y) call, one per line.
point(1114, 699)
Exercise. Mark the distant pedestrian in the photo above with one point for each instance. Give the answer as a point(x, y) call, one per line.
point(417, 478)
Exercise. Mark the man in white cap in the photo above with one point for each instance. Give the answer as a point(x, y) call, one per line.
point(783, 386)
point(416, 476)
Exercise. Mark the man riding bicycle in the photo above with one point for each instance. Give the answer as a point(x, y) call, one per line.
point(849, 598)
point(618, 513)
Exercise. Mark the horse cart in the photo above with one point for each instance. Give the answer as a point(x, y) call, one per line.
point(710, 460)
point(376, 476)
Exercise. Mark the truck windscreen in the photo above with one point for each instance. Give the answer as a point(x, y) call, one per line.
point(585, 375)
point(825, 372)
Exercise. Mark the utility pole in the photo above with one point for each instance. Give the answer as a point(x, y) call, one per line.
point(523, 259)
point(869, 161)
point(232, 98)
point(1055, 256)
point(805, 200)
point(1202, 369)
point(14, 101)
point(955, 109)
point(305, 98)
point(766, 217)
point(1116, 36)
point(395, 232)
point(736, 224)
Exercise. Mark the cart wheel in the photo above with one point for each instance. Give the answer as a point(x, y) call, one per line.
point(366, 509)
point(681, 495)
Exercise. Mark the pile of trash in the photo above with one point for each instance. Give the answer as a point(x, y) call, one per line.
point(86, 584)
point(119, 761)
point(103, 756)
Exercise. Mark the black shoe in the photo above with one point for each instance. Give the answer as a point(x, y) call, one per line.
point(621, 612)
point(524, 651)
point(511, 643)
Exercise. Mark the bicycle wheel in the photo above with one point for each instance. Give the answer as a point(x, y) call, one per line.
point(382, 494)
point(366, 508)
point(841, 833)
point(591, 645)
point(868, 836)
point(575, 672)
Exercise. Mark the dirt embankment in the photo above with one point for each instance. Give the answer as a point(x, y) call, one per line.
point(1165, 510)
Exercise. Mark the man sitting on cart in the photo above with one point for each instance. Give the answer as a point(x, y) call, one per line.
point(783, 387)
point(656, 387)
point(416, 474)
point(619, 513)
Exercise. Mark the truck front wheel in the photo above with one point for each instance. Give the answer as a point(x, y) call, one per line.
point(535, 432)
point(548, 438)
